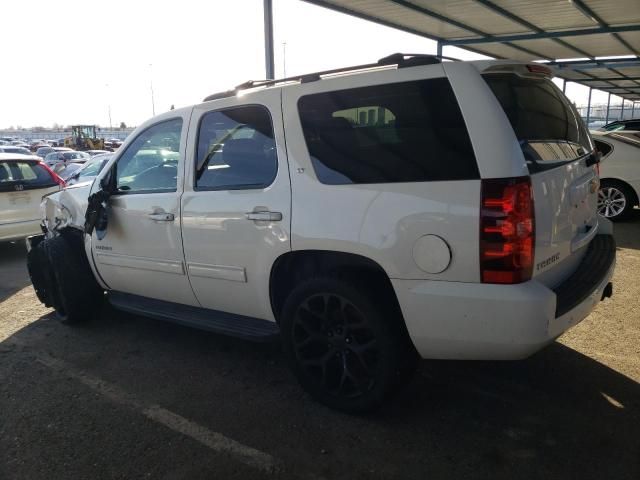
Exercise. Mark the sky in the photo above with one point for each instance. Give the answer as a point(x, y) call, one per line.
point(74, 61)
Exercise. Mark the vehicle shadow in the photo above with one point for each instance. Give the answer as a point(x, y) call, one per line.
point(628, 231)
point(13, 264)
point(556, 415)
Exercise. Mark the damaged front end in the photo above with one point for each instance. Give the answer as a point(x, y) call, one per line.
point(62, 210)
point(63, 227)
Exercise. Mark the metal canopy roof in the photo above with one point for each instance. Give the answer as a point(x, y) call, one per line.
point(526, 30)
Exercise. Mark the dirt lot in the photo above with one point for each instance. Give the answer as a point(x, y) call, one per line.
point(127, 397)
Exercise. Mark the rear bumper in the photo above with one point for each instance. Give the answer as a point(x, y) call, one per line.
point(475, 321)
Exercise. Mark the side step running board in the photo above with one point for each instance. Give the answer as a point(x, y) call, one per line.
point(247, 328)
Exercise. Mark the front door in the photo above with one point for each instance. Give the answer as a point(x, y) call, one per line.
point(141, 252)
point(237, 202)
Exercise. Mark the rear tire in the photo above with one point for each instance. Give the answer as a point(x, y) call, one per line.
point(77, 295)
point(345, 345)
point(615, 200)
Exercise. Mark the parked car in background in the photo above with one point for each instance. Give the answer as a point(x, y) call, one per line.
point(66, 156)
point(88, 171)
point(96, 152)
point(24, 179)
point(633, 124)
point(34, 146)
point(14, 149)
point(396, 220)
point(619, 173)
point(113, 143)
point(44, 151)
point(67, 170)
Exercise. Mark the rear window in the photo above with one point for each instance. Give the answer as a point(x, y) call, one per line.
point(400, 132)
point(548, 127)
point(17, 176)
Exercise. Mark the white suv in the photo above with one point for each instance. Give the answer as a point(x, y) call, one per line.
point(364, 215)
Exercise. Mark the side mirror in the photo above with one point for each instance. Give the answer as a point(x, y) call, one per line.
point(107, 183)
point(594, 158)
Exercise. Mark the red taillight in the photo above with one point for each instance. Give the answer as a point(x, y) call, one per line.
point(56, 178)
point(507, 233)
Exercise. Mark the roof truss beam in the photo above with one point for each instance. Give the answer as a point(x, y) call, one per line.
point(463, 26)
point(608, 79)
point(585, 10)
point(515, 18)
point(541, 35)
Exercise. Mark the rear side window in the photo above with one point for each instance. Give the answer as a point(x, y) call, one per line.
point(547, 125)
point(399, 132)
point(17, 175)
point(236, 150)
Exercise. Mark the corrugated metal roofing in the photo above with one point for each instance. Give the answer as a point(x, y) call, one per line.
point(526, 30)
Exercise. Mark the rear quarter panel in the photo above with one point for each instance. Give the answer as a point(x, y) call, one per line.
point(379, 221)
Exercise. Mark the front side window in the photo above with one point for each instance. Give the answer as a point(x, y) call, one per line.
point(236, 150)
point(150, 163)
point(400, 132)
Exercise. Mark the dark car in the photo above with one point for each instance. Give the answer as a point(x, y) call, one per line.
point(633, 124)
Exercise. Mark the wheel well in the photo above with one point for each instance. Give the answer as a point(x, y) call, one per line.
point(293, 267)
point(634, 199)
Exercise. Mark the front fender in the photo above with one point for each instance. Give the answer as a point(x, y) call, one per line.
point(65, 209)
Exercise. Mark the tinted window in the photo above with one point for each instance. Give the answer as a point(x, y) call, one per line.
point(401, 132)
point(546, 124)
point(150, 163)
point(236, 150)
point(24, 176)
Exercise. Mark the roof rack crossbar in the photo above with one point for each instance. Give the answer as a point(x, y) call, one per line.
point(402, 60)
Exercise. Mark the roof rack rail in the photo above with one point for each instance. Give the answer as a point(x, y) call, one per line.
point(402, 60)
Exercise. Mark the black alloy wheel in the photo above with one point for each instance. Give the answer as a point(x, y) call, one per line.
point(344, 343)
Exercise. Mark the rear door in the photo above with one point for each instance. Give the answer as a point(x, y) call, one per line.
point(237, 202)
point(22, 185)
point(557, 148)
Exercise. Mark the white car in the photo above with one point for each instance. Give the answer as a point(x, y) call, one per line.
point(64, 157)
point(24, 179)
point(619, 173)
point(446, 210)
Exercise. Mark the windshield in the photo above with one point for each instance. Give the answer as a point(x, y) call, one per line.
point(93, 167)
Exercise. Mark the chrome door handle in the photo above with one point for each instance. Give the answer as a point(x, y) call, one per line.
point(162, 217)
point(264, 216)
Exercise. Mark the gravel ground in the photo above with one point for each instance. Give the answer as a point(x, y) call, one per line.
point(128, 397)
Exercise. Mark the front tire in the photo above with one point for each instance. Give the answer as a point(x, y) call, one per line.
point(345, 346)
point(77, 295)
point(615, 200)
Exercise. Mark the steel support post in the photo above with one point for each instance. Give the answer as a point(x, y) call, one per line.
point(268, 39)
point(589, 107)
